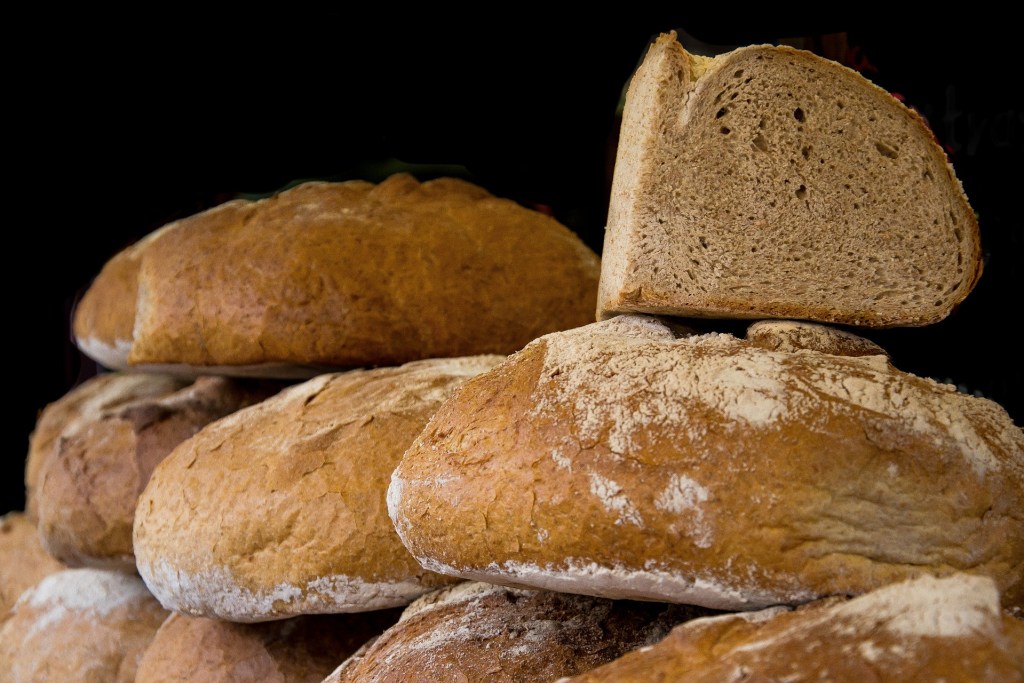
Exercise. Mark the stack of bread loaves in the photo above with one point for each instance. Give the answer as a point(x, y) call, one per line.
point(376, 432)
point(636, 457)
point(270, 363)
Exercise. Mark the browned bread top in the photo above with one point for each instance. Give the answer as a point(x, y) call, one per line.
point(769, 182)
point(23, 561)
point(339, 275)
point(926, 629)
point(618, 460)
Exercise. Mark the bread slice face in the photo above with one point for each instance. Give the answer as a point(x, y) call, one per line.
point(769, 182)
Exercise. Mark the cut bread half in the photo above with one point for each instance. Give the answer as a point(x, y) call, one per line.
point(769, 182)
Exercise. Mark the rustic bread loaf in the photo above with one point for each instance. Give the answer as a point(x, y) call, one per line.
point(620, 461)
point(279, 509)
point(83, 405)
point(926, 629)
point(340, 275)
point(769, 182)
point(481, 633)
point(297, 650)
point(23, 561)
point(88, 625)
point(88, 483)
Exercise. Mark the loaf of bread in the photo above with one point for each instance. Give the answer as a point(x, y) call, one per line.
point(82, 405)
point(340, 275)
point(482, 633)
point(23, 561)
point(88, 625)
point(618, 460)
point(297, 650)
point(769, 182)
point(118, 427)
point(279, 509)
point(926, 629)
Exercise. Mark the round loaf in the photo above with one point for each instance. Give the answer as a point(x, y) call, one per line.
point(926, 629)
point(89, 481)
point(87, 625)
point(297, 650)
point(340, 275)
point(279, 509)
point(482, 633)
point(618, 460)
point(82, 405)
point(23, 561)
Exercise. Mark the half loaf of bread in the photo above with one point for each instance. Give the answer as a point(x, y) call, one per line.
point(621, 461)
point(769, 182)
point(926, 629)
point(326, 276)
point(279, 509)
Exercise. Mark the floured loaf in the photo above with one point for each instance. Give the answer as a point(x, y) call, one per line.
point(325, 276)
point(23, 561)
point(87, 625)
point(279, 509)
point(621, 461)
point(482, 633)
point(925, 629)
point(769, 182)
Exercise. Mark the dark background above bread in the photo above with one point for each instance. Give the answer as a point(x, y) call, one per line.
point(116, 131)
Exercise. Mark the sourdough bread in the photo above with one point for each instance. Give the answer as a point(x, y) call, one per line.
point(618, 460)
point(279, 509)
point(769, 182)
point(297, 650)
point(325, 276)
point(926, 629)
point(86, 625)
point(23, 561)
point(481, 633)
point(89, 481)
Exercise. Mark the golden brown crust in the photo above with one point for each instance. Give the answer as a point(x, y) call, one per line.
point(479, 633)
point(23, 561)
point(82, 404)
point(91, 479)
point(341, 275)
point(317, 459)
point(617, 460)
point(86, 625)
point(297, 650)
point(921, 630)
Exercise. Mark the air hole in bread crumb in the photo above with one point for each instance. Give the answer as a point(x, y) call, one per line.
point(725, 130)
point(952, 217)
point(806, 152)
point(959, 236)
point(798, 114)
point(760, 123)
point(738, 74)
point(887, 150)
point(927, 175)
point(733, 96)
point(703, 241)
point(722, 112)
point(718, 97)
point(801, 192)
point(679, 74)
point(856, 205)
point(760, 143)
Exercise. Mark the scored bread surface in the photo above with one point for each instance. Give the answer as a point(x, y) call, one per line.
point(618, 460)
point(279, 509)
point(769, 182)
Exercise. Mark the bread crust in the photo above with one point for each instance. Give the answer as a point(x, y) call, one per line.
point(317, 457)
point(118, 428)
point(23, 561)
point(482, 633)
point(925, 629)
point(340, 275)
point(617, 460)
point(772, 183)
point(86, 625)
point(297, 650)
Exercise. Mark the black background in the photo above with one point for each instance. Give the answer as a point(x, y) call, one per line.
point(119, 123)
